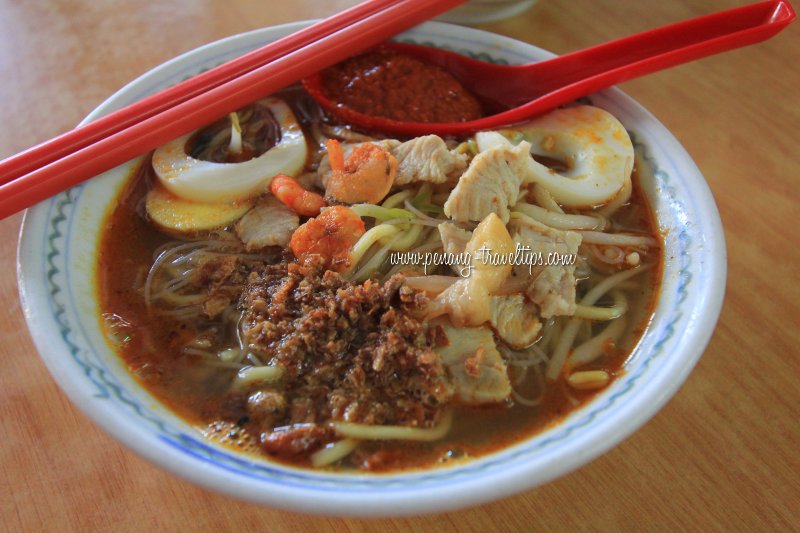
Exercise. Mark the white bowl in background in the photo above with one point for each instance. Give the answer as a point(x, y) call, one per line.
point(485, 11)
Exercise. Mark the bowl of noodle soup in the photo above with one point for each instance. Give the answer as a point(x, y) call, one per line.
point(64, 252)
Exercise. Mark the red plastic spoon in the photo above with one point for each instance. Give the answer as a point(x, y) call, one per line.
point(528, 90)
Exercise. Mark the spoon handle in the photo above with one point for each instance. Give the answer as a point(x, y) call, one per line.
point(607, 64)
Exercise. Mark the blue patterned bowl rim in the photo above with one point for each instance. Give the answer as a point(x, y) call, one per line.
point(56, 262)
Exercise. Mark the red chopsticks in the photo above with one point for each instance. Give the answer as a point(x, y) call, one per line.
point(80, 137)
point(65, 161)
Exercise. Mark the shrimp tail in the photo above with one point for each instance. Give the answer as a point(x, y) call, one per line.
point(335, 154)
point(366, 177)
point(295, 197)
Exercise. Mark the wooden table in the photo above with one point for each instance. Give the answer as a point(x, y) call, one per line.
point(722, 455)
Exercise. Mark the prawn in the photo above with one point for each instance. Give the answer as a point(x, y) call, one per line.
point(366, 176)
point(331, 236)
point(295, 197)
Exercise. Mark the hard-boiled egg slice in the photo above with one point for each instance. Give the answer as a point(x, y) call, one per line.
point(180, 216)
point(204, 181)
point(593, 145)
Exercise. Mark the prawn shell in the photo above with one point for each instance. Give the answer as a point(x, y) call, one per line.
point(331, 236)
point(367, 176)
point(209, 182)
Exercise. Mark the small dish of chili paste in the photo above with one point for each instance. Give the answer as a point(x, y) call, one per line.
point(389, 84)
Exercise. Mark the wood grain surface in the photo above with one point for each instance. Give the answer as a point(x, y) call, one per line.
point(721, 456)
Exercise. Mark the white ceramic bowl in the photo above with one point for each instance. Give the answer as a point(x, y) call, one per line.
point(56, 270)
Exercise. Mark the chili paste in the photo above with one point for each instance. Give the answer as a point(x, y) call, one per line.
point(389, 84)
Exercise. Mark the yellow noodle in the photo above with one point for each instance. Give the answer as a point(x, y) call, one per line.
point(368, 239)
point(230, 355)
point(556, 330)
point(597, 292)
point(374, 264)
point(563, 344)
point(560, 220)
point(584, 332)
point(592, 312)
point(381, 213)
point(252, 374)
point(408, 238)
point(370, 432)
point(397, 198)
point(183, 299)
point(333, 452)
point(617, 239)
point(567, 338)
point(593, 348)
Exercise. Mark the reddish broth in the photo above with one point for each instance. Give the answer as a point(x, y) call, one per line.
point(199, 394)
point(383, 83)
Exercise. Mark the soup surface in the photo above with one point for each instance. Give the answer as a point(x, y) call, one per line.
point(399, 303)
